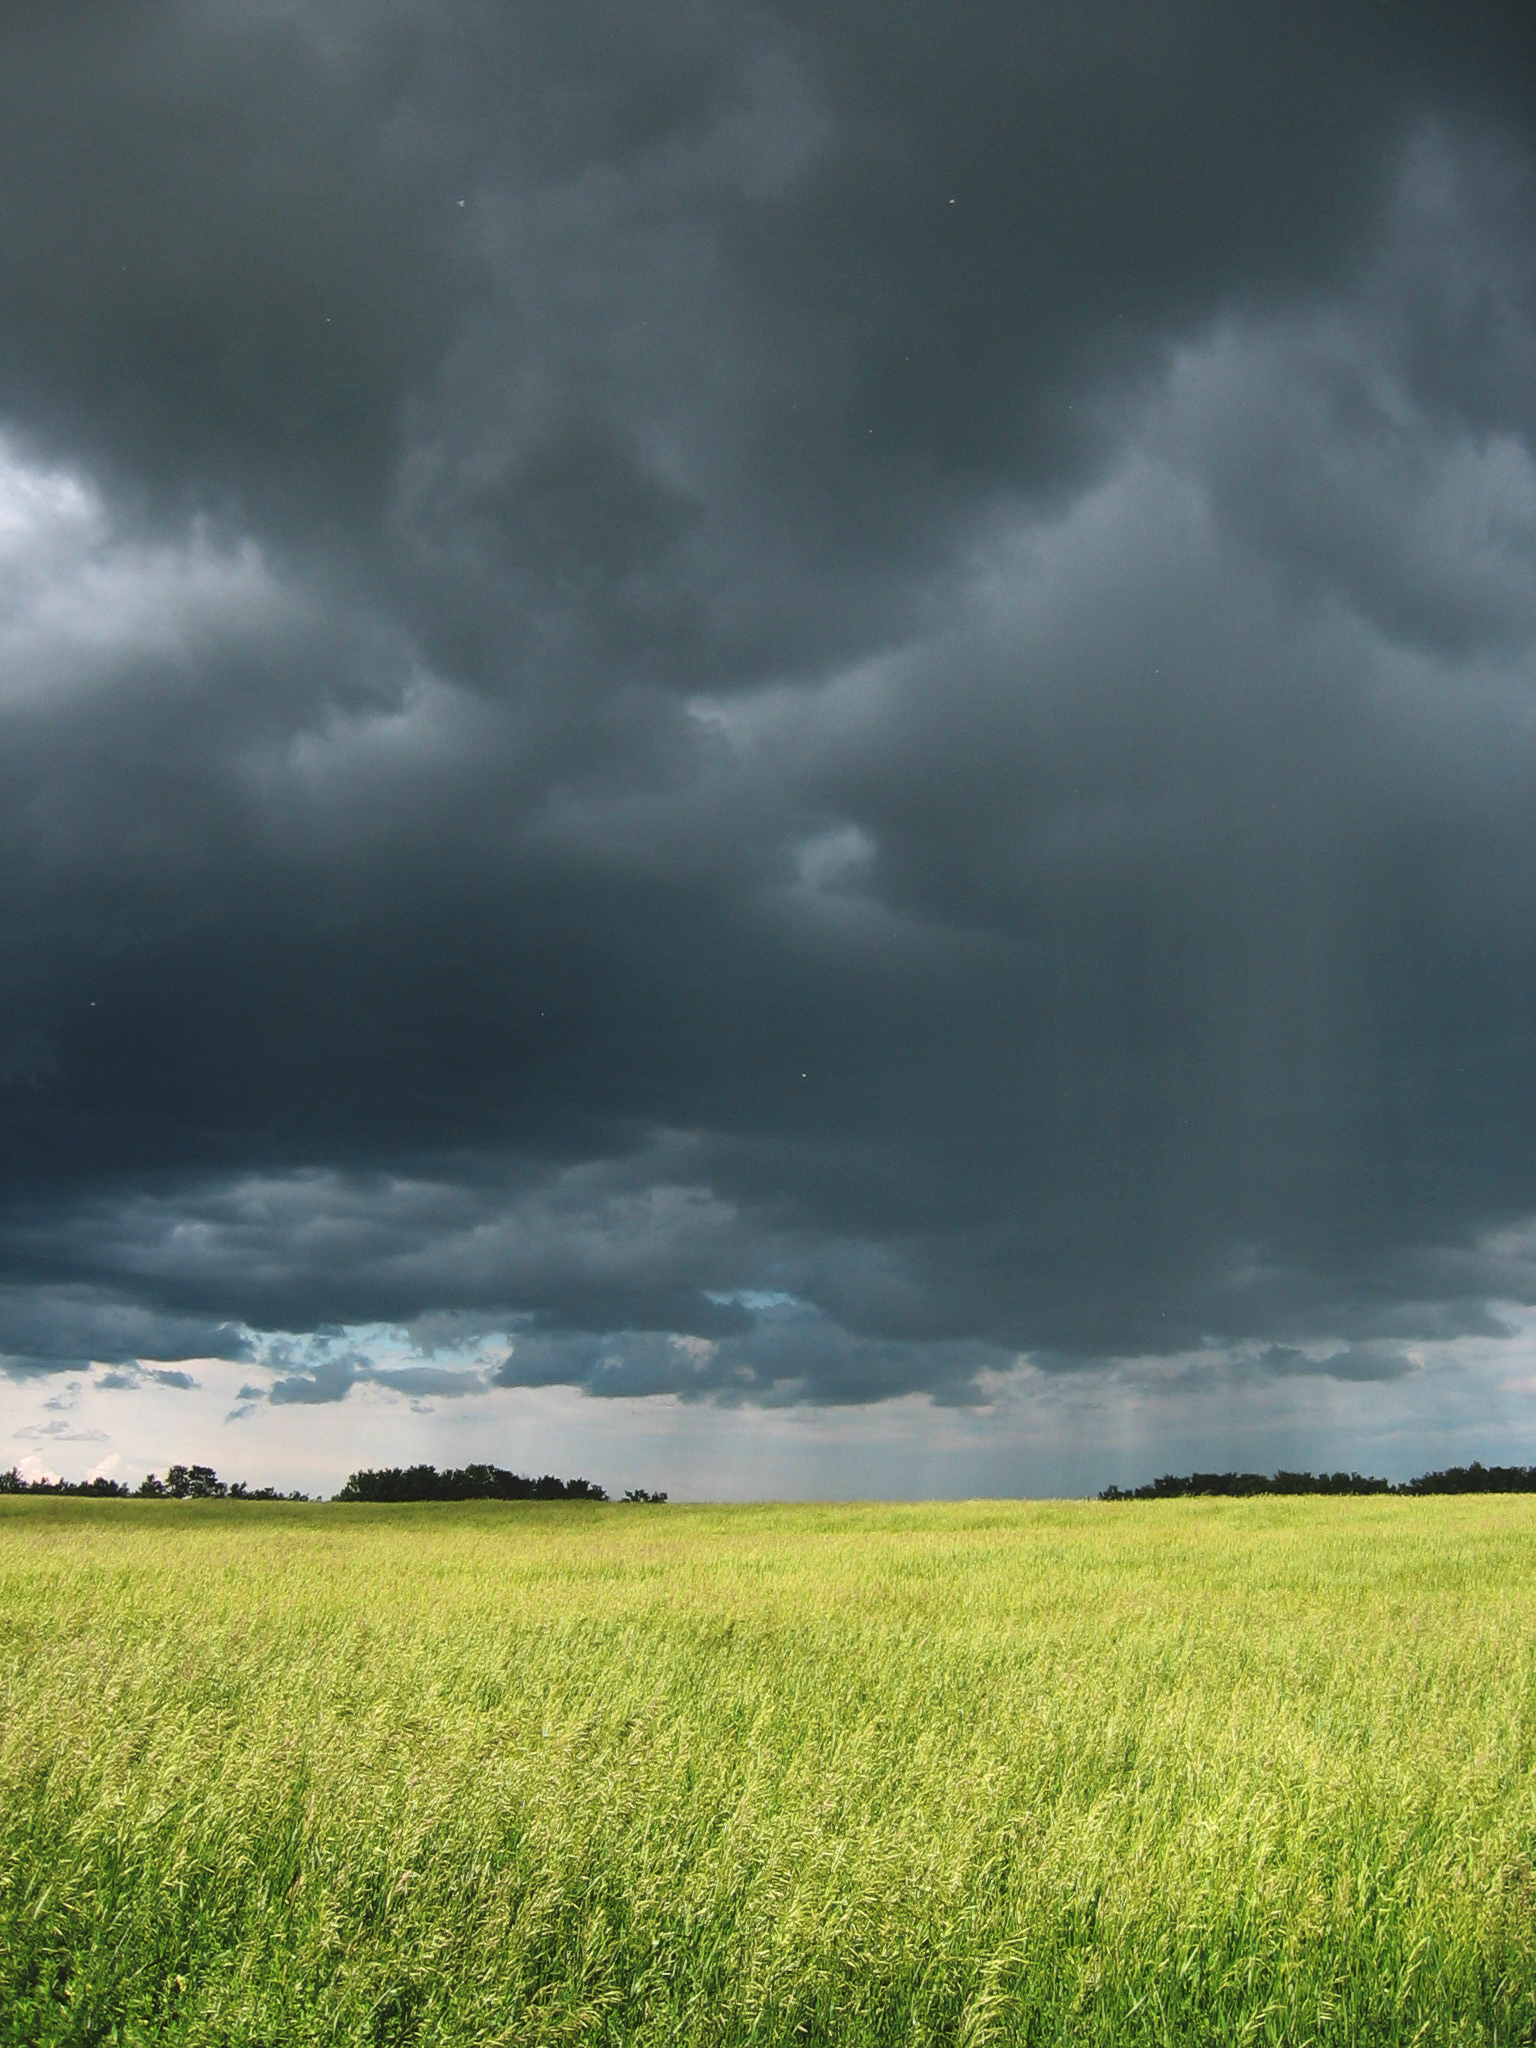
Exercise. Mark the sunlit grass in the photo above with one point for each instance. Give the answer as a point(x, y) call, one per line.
point(1256, 1771)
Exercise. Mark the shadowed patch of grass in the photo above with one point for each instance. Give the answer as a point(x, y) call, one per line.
point(1199, 1771)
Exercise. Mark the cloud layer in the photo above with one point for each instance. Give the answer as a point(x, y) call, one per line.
point(772, 704)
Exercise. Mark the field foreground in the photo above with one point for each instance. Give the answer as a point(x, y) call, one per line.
point(1198, 1771)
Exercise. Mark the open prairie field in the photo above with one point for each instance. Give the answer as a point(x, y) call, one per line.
point(1200, 1771)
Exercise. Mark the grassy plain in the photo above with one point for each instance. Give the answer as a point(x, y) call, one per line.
point(1192, 1772)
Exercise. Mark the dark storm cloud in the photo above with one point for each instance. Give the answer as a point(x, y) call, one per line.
point(334, 1379)
point(771, 702)
point(125, 1378)
point(64, 1328)
point(790, 1353)
point(1284, 1361)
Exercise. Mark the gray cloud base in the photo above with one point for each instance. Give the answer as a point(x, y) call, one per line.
point(784, 702)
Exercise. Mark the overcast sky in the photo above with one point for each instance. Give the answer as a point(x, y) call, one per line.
point(775, 749)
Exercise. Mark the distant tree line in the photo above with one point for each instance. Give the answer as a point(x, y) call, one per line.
point(395, 1483)
point(201, 1482)
point(91, 1489)
point(181, 1482)
point(1473, 1478)
point(468, 1482)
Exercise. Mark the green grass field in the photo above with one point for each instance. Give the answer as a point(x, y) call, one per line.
point(1204, 1771)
